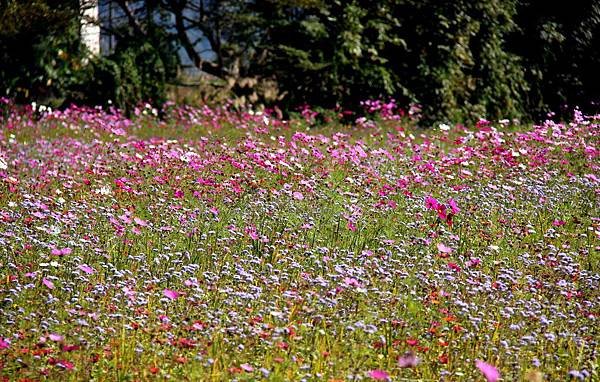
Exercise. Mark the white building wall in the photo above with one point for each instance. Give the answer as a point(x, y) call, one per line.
point(90, 30)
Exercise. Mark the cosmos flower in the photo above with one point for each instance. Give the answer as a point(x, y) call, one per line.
point(408, 360)
point(490, 373)
point(378, 375)
point(86, 268)
point(49, 284)
point(171, 294)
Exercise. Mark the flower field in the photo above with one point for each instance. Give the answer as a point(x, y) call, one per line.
point(207, 244)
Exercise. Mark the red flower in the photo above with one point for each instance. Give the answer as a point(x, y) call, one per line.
point(412, 342)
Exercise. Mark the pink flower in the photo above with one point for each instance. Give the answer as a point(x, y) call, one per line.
point(170, 294)
point(86, 268)
point(443, 248)
point(490, 373)
point(558, 223)
point(351, 281)
point(66, 364)
point(408, 359)
point(252, 232)
point(431, 203)
point(56, 337)
point(4, 344)
point(140, 222)
point(453, 206)
point(298, 195)
point(246, 367)
point(379, 375)
point(473, 262)
point(61, 252)
point(48, 283)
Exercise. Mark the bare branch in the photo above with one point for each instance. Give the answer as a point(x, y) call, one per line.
point(133, 22)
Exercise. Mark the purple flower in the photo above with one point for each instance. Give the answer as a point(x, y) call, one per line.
point(408, 359)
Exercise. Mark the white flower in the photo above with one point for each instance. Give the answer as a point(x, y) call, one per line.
point(444, 127)
point(104, 190)
point(3, 164)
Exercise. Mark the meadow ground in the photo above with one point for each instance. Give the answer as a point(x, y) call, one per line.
point(215, 245)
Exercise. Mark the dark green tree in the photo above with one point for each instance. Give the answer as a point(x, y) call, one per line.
point(40, 51)
point(560, 46)
point(457, 65)
point(331, 52)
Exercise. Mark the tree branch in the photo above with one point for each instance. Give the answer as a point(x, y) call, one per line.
point(133, 22)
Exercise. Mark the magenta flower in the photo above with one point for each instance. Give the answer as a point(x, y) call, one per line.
point(379, 375)
point(86, 268)
point(170, 294)
point(453, 206)
point(431, 203)
point(48, 283)
point(4, 344)
point(252, 232)
point(490, 373)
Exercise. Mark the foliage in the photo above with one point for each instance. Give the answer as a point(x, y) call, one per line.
point(461, 60)
point(330, 53)
point(463, 71)
point(145, 67)
point(559, 44)
point(40, 54)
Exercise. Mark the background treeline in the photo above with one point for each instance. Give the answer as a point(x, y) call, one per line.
point(460, 59)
